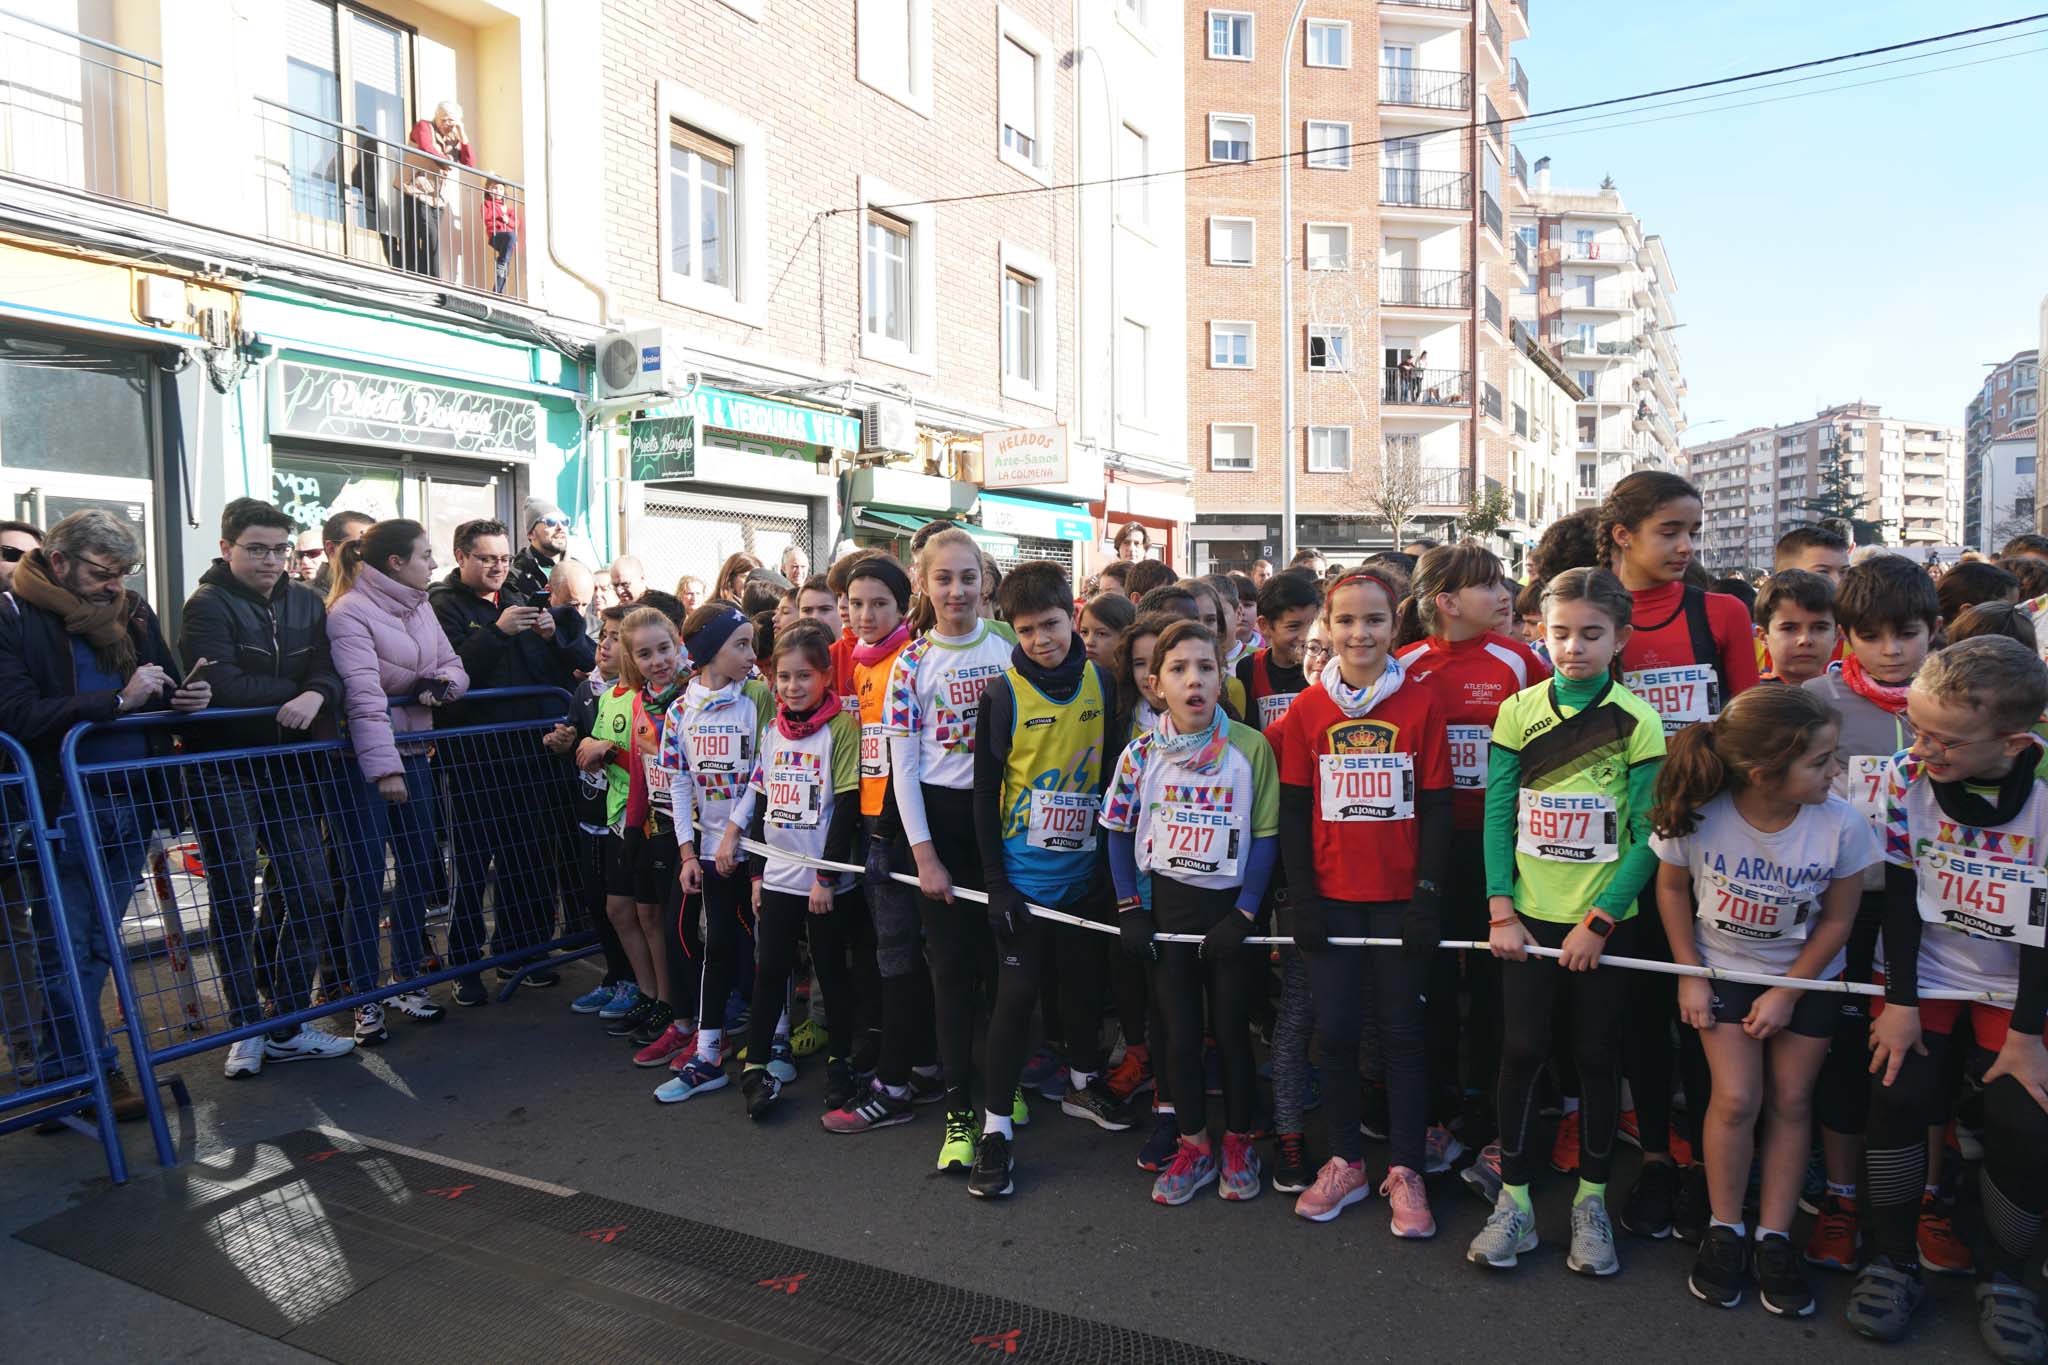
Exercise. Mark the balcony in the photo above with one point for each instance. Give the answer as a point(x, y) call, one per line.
point(1521, 420)
point(1417, 88)
point(1459, 6)
point(1494, 34)
point(1599, 350)
point(1595, 253)
point(1489, 213)
point(1407, 288)
point(1425, 388)
point(1404, 187)
point(1489, 401)
point(1521, 164)
point(1519, 79)
point(80, 113)
point(348, 193)
point(1522, 257)
point(1495, 314)
point(1445, 488)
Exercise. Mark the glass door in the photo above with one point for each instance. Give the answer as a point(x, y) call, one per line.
point(448, 497)
point(312, 486)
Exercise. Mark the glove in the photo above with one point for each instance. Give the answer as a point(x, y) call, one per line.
point(1420, 926)
point(1134, 933)
point(1311, 931)
point(1006, 913)
point(1228, 936)
point(878, 862)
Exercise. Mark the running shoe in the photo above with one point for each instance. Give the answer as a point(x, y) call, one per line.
point(761, 1090)
point(370, 1030)
point(1941, 1251)
point(840, 1085)
point(1020, 1115)
point(1339, 1185)
point(1290, 1164)
point(1814, 1191)
point(1628, 1128)
point(1439, 1149)
point(663, 1050)
point(1404, 1190)
point(1095, 1103)
point(1693, 1208)
point(1161, 1143)
point(1045, 1065)
point(1647, 1211)
point(417, 1006)
point(1242, 1177)
point(1968, 1142)
point(1835, 1237)
point(926, 1089)
point(307, 1044)
point(807, 1038)
point(469, 991)
point(625, 996)
point(627, 1024)
point(1781, 1284)
point(1132, 1075)
point(1592, 1250)
point(541, 978)
point(738, 1011)
point(1184, 1176)
point(1509, 1235)
point(1564, 1148)
point(956, 1153)
point(1882, 1301)
point(1483, 1175)
point(1376, 1122)
point(2009, 1321)
point(782, 1060)
point(990, 1178)
point(245, 1058)
point(654, 1025)
point(1720, 1269)
point(877, 1109)
point(594, 999)
point(698, 1077)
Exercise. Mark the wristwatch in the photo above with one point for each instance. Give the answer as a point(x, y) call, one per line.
point(1598, 922)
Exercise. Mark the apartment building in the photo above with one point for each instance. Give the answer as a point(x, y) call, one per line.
point(1395, 256)
point(842, 211)
point(1754, 484)
point(2001, 416)
point(1599, 298)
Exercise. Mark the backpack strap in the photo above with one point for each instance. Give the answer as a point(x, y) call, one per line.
point(1705, 649)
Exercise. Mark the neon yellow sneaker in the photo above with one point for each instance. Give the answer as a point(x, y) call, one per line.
point(1020, 1115)
point(807, 1038)
point(957, 1153)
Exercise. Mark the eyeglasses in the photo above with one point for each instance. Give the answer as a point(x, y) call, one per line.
point(1941, 748)
point(276, 552)
point(490, 561)
point(100, 573)
point(11, 554)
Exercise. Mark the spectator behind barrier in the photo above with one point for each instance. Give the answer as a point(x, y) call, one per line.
point(337, 531)
point(17, 539)
point(547, 544)
point(629, 580)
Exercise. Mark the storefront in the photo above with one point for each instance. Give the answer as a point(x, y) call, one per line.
point(1164, 509)
point(1036, 488)
point(887, 506)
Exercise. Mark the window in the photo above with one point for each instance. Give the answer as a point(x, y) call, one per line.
point(1134, 159)
point(700, 185)
point(1329, 146)
point(1329, 246)
point(1023, 95)
point(1019, 97)
point(887, 277)
point(1134, 372)
point(1233, 446)
point(1329, 450)
point(1020, 326)
point(1230, 345)
point(1582, 285)
point(1587, 384)
point(1586, 338)
point(893, 50)
point(898, 278)
point(1230, 241)
point(711, 208)
point(1329, 42)
point(317, 35)
point(1029, 315)
point(1329, 348)
point(1230, 137)
point(1230, 35)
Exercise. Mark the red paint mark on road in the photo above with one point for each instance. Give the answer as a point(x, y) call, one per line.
point(328, 1155)
point(788, 1284)
point(1006, 1342)
point(450, 1191)
point(605, 1235)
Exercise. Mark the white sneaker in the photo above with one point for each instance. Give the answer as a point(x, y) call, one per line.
point(417, 1006)
point(245, 1058)
point(307, 1044)
point(370, 1025)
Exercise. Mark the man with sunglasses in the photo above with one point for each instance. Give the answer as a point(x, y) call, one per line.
point(308, 554)
point(547, 542)
point(17, 539)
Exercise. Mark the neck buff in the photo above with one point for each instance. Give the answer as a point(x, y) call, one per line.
point(799, 724)
point(884, 647)
point(1061, 682)
point(657, 703)
point(698, 696)
point(1201, 751)
point(1356, 701)
point(1884, 696)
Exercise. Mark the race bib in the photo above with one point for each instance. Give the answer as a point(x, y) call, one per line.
point(1273, 708)
point(1469, 747)
point(793, 797)
point(1568, 827)
point(1685, 694)
point(1359, 787)
point(1755, 912)
point(657, 783)
point(1866, 785)
point(874, 751)
point(1962, 889)
point(594, 782)
point(1062, 822)
point(1194, 841)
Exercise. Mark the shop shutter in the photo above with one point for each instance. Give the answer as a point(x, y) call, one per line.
point(692, 533)
point(1060, 552)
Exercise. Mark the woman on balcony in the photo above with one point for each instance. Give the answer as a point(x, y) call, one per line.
point(443, 137)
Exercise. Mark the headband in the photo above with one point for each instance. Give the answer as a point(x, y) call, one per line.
point(710, 637)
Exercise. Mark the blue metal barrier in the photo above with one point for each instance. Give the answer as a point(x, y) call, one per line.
point(251, 891)
point(57, 1075)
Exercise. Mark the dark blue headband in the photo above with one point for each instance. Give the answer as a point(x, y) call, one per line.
point(711, 637)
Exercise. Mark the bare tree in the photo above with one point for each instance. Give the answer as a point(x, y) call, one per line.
point(2019, 522)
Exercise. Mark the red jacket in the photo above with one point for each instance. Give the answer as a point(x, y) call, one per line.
point(500, 215)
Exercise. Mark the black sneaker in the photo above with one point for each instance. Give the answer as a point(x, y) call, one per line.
point(1692, 1210)
point(627, 1024)
point(1720, 1268)
point(867, 1053)
point(1647, 1211)
point(658, 1019)
point(469, 990)
point(762, 1091)
point(1291, 1174)
point(1094, 1103)
point(539, 980)
point(1375, 1123)
point(840, 1085)
point(926, 1089)
point(990, 1178)
point(1781, 1283)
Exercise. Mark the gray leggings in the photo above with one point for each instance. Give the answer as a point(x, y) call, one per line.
point(1292, 1025)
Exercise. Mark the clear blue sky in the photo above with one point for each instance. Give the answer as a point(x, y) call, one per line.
point(1879, 243)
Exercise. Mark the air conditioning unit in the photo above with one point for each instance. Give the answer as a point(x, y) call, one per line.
point(888, 425)
point(641, 363)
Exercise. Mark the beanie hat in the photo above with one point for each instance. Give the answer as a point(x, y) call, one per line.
point(538, 510)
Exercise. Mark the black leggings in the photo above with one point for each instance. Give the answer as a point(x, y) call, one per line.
point(1180, 980)
point(1599, 999)
point(1651, 1057)
point(683, 941)
point(1388, 982)
point(1841, 1099)
point(1475, 1066)
point(728, 943)
point(784, 919)
point(1080, 959)
point(958, 943)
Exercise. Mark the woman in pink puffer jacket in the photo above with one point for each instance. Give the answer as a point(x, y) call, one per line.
point(386, 642)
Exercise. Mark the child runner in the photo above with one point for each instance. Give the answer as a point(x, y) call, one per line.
point(1750, 831)
point(1040, 763)
point(1570, 779)
point(1365, 792)
point(594, 818)
point(805, 790)
point(934, 695)
point(1965, 902)
point(714, 746)
point(1195, 802)
point(1795, 619)
point(1103, 620)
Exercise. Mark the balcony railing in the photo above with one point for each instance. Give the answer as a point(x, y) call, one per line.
point(1424, 89)
point(1520, 80)
point(1521, 420)
point(1495, 314)
point(1489, 401)
point(1445, 488)
point(1489, 213)
point(1522, 257)
point(1521, 164)
point(347, 192)
point(1417, 388)
point(1613, 253)
point(81, 113)
point(1493, 32)
point(1408, 288)
point(1419, 189)
point(1432, 4)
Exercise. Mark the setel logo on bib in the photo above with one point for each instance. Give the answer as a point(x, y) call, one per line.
point(1062, 822)
point(1984, 897)
point(1568, 827)
point(1754, 912)
point(795, 793)
point(1683, 694)
point(1197, 840)
point(1356, 787)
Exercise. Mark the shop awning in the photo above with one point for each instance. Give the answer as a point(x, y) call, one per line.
point(906, 524)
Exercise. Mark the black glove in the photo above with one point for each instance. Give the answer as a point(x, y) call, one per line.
point(1311, 931)
point(878, 862)
point(1134, 933)
point(1228, 936)
point(1006, 913)
point(1421, 925)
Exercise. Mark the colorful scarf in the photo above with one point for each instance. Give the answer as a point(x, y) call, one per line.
point(1884, 696)
point(1356, 701)
point(657, 703)
point(699, 697)
point(1201, 751)
point(866, 655)
point(802, 724)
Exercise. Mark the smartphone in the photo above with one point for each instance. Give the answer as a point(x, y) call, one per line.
point(198, 672)
point(438, 688)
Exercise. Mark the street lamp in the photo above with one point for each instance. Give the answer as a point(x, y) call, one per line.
point(1287, 285)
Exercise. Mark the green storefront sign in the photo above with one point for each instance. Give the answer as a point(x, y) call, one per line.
point(663, 448)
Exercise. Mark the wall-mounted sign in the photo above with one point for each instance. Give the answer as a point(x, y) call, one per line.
point(401, 414)
point(1046, 520)
point(663, 448)
point(1024, 457)
point(764, 418)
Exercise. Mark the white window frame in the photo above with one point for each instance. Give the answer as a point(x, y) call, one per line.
point(1253, 428)
point(1342, 26)
point(1320, 160)
point(1136, 17)
point(1251, 341)
point(1338, 332)
point(1251, 141)
point(1141, 221)
point(1042, 390)
point(1251, 34)
point(1251, 224)
point(747, 300)
point(1309, 258)
point(1309, 450)
point(916, 93)
point(921, 354)
point(1142, 418)
point(1014, 28)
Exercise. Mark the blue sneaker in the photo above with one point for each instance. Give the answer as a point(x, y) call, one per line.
point(1161, 1145)
point(594, 1000)
point(696, 1078)
point(738, 1010)
point(1046, 1069)
point(624, 998)
point(1191, 1170)
point(782, 1061)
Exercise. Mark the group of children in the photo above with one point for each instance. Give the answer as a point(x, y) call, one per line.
point(1812, 792)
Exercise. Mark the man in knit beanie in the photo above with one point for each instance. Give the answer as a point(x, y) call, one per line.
point(547, 541)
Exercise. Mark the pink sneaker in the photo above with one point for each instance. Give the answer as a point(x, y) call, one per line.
point(674, 1042)
point(1412, 1218)
point(1338, 1186)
